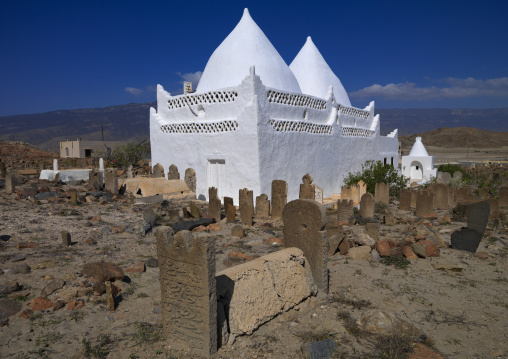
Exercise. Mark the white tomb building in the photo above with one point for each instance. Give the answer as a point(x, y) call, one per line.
point(253, 119)
point(418, 165)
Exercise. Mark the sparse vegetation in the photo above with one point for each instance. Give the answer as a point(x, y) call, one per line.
point(125, 155)
point(397, 262)
point(376, 172)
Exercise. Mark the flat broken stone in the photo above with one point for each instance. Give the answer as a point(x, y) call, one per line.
point(449, 267)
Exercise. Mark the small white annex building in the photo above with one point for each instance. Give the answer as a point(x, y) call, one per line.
point(418, 165)
point(253, 119)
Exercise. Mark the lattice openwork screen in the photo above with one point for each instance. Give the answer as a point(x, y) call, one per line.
point(207, 97)
point(296, 126)
point(357, 132)
point(295, 100)
point(200, 127)
point(354, 112)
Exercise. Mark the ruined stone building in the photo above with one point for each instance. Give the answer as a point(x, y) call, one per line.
point(254, 119)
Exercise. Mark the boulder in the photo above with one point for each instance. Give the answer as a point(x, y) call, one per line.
point(361, 252)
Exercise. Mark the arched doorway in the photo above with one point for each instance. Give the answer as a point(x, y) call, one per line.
point(416, 170)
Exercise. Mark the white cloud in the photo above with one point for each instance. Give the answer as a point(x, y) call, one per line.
point(193, 77)
point(457, 88)
point(134, 91)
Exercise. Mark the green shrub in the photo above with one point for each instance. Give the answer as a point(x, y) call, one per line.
point(125, 155)
point(452, 168)
point(373, 172)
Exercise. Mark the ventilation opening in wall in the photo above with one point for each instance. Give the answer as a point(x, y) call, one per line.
point(305, 114)
point(392, 161)
point(88, 153)
point(385, 161)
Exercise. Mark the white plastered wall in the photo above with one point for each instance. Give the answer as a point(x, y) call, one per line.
point(425, 165)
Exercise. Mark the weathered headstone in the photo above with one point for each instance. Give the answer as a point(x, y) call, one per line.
point(213, 204)
point(74, 197)
point(3, 170)
point(110, 296)
point(190, 179)
point(307, 189)
point(173, 173)
point(443, 178)
point(95, 180)
point(230, 209)
point(66, 238)
point(345, 192)
point(188, 291)
point(355, 194)
point(55, 164)
point(440, 191)
point(262, 206)
point(279, 197)
point(129, 172)
point(462, 194)
point(194, 210)
point(466, 239)
point(303, 228)
point(158, 171)
point(101, 164)
point(483, 193)
point(478, 216)
point(111, 181)
point(372, 229)
point(345, 211)
point(363, 188)
point(451, 197)
point(10, 183)
point(405, 200)
point(457, 175)
point(494, 207)
point(503, 197)
point(56, 179)
point(414, 194)
point(318, 195)
point(174, 215)
point(367, 206)
point(382, 193)
point(424, 203)
point(246, 206)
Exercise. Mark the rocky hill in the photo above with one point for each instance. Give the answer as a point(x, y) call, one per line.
point(458, 137)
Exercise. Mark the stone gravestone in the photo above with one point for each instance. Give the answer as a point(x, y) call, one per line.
point(457, 175)
point(246, 206)
point(158, 171)
point(303, 228)
point(111, 180)
point(95, 180)
point(10, 183)
point(382, 193)
point(129, 172)
point(213, 204)
point(262, 206)
point(188, 291)
point(55, 164)
point(367, 206)
point(173, 173)
point(74, 197)
point(190, 179)
point(279, 197)
point(443, 178)
point(494, 207)
point(503, 197)
point(345, 211)
point(307, 189)
point(440, 191)
point(318, 196)
point(468, 239)
point(414, 194)
point(462, 194)
point(56, 179)
point(355, 194)
point(483, 193)
point(194, 210)
point(3, 170)
point(345, 192)
point(230, 209)
point(424, 203)
point(66, 238)
point(405, 200)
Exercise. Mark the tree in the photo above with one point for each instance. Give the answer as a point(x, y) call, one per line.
point(125, 155)
point(373, 172)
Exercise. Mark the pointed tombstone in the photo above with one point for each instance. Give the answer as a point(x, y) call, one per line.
point(307, 189)
point(440, 191)
point(345, 211)
point(424, 203)
point(246, 206)
point(262, 206)
point(363, 188)
point(56, 179)
point(188, 291)
point(213, 204)
point(382, 193)
point(279, 197)
point(111, 181)
point(304, 222)
point(158, 171)
point(190, 179)
point(405, 200)
point(10, 183)
point(367, 206)
point(173, 173)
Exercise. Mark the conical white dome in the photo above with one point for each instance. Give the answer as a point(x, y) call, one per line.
point(418, 149)
point(244, 47)
point(315, 76)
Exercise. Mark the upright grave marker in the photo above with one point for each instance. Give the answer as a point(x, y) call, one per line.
point(246, 206)
point(367, 206)
point(279, 197)
point(213, 204)
point(382, 193)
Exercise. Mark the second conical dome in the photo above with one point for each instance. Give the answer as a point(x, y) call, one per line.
point(246, 46)
point(315, 76)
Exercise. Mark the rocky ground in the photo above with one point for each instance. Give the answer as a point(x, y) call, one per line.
point(50, 309)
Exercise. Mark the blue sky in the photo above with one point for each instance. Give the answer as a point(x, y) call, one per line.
point(67, 54)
